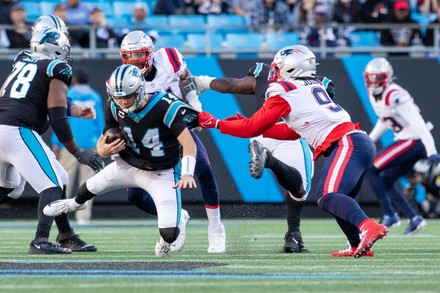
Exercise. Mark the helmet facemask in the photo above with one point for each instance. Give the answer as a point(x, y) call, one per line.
point(378, 75)
point(137, 49)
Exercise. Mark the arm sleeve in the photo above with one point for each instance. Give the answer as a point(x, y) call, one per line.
point(416, 122)
point(281, 131)
point(268, 115)
point(378, 130)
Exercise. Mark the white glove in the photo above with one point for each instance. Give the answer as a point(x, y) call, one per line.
point(198, 83)
point(193, 100)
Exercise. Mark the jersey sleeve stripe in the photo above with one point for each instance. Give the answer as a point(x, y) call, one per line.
point(388, 97)
point(258, 69)
point(287, 86)
point(173, 58)
point(51, 66)
point(171, 113)
point(113, 109)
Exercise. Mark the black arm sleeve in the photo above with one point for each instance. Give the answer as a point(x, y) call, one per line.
point(60, 124)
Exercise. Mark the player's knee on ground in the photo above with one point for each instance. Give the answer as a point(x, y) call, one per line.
point(169, 234)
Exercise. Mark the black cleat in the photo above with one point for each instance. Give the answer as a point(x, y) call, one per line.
point(74, 243)
point(47, 248)
point(294, 243)
point(258, 159)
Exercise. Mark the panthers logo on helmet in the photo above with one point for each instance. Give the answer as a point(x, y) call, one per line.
point(50, 37)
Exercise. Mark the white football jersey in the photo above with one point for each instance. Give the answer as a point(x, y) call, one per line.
point(170, 64)
point(397, 111)
point(313, 114)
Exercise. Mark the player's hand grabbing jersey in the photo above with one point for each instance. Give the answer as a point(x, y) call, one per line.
point(153, 130)
point(24, 98)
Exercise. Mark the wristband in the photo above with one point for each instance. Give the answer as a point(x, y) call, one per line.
point(188, 166)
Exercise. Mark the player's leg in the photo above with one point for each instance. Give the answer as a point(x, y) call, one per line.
point(83, 217)
point(208, 185)
point(342, 175)
point(33, 159)
point(291, 163)
point(142, 200)
point(168, 203)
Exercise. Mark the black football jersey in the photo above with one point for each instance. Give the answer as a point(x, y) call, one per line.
point(153, 130)
point(261, 73)
point(24, 99)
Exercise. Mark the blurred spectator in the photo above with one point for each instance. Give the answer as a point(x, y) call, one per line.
point(270, 16)
point(60, 10)
point(324, 31)
point(347, 11)
point(304, 13)
point(78, 14)
point(376, 11)
point(428, 39)
point(86, 133)
point(243, 7)
point(170, 7)
point(105, 36)
point(140, 12)
point(427, 7)
point(5, 10)
point(401, 36)
point(206, 7)
point(292, 4)
point(20, 36)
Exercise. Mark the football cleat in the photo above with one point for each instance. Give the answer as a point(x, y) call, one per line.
point(415, 224)
point(216, 239)
point(258, 159)
point(76, 244)
point(47, 248)
point(177, 245)
point(391, 221)
point(162, 248)
point(370, 233)
point(293, 243)
point(349, 252)
point(63, 206)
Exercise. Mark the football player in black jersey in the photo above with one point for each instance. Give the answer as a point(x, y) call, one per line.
point(158, 157)
point(290, 161)
point(34, 97)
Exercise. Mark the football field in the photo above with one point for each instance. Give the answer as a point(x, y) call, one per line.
point(125, 261)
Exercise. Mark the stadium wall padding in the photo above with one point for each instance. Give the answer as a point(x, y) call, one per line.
point(229, 156)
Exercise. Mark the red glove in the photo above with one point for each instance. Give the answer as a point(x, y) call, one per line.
point(206, 120)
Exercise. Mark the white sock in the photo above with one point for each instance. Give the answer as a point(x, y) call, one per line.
point(214, 218)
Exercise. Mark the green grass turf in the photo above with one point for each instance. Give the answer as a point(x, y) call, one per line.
point(253, 261)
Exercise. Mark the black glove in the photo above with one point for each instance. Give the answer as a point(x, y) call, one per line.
point(88, 157)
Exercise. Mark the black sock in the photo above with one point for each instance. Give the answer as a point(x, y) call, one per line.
point(44, 222)
point(62, 221)
point(294, 212)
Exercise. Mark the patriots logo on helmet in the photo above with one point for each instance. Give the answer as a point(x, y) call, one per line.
point(287, 52)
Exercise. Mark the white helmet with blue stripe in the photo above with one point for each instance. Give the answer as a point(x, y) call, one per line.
point(50, 21)
point(51, 43)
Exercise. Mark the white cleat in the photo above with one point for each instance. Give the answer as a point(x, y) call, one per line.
point(162, 248)
point(63, 206)
point(217, 239)
point(177, 245)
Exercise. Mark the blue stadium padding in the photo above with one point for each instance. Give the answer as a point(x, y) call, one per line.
point(171, 41)
point(200, 41)
point(278, 41)
point(233, 150)
point(364, 39)
point(46, 7)
point(188, 24)
point(251, 41)
point(123, 8)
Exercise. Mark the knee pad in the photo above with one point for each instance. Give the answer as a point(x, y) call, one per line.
point(169, 234)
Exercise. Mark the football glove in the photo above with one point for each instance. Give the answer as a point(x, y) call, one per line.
point(206, 120)
point(198, 83)
point(90, 158)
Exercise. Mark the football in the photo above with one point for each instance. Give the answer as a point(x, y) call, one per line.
point(115, 133)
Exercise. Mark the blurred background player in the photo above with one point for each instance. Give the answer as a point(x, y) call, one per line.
point(27, 112)
point(284, 158)
point(82, 95)
point(165, 70)
point(162, 166)
point(398, 112)
point(296, 96)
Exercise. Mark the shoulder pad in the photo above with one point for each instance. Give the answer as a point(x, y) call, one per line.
point(60, 70)
point(174, 58)
point(279, 88)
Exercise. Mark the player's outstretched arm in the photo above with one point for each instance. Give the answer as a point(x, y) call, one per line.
point(188, 160)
